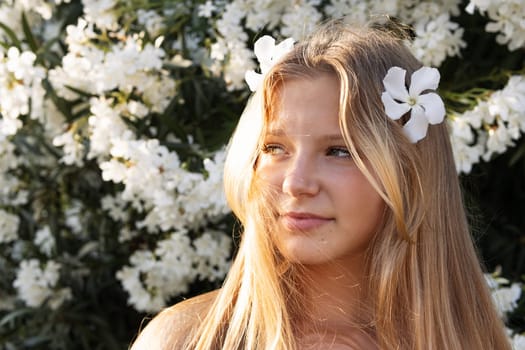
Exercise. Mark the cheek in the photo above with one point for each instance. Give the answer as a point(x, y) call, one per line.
point(361, 199)
point(267, 173)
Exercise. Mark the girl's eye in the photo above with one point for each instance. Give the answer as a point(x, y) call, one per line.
point(272, 149)
point(338, 152)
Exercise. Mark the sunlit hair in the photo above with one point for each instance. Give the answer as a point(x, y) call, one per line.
point(424, 281)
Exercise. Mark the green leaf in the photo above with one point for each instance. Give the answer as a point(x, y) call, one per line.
point(37, 340)
point(61, 104)
point(28, 34)
point(44, 52)
point(79, 91)
point(518, 154)
point(12, 316)
point(11, 35)
point(87, 248)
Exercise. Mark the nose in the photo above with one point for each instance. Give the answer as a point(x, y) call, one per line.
point(300, 178)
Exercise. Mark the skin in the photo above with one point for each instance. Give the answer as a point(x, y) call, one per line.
point(327, 210)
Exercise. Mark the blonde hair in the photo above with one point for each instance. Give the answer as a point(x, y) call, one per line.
point(425, 284)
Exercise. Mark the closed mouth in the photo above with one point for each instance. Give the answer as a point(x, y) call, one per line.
point(302, 221)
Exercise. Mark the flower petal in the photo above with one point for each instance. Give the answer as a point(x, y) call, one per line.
point(264, 48)
point(416, 128)
point(282, 49)
point(433, 106)
point(425, 78)
point(253, 79)
point(394, 110)
point(394, 83)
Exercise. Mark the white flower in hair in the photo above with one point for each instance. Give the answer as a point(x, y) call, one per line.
point(424, 108)
point(267, 54)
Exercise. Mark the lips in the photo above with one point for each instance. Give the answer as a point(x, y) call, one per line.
point(300, 221)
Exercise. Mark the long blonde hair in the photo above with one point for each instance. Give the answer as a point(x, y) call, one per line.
point(426, 287)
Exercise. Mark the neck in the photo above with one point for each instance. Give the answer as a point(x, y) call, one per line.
point(335, 296)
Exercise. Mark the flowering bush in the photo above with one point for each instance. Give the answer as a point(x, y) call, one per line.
point(113, 120)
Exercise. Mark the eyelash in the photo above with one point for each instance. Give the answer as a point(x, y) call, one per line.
point(273, 149)
point(336, 152)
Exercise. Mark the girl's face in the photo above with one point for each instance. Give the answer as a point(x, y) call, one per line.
point(327, 210)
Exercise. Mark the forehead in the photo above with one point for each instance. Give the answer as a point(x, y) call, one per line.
point(306, 102)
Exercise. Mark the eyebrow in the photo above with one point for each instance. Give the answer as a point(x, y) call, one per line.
point(328, 137)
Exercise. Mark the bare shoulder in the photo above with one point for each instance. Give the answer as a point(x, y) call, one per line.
point(170, 327)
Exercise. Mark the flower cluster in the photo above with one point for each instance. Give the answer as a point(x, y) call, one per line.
point(438, 37)
point(37, 286)
point(491, 127)
point(507, 19)
point(154, 277)
point(506, 296)
point(93, 106)
point(20, 88)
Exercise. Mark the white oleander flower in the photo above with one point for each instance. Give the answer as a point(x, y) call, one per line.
point(153, 277)
point(462, 137)
point(8, 227)
point(518, 342)
point(436, 39)
point(73, 216)
point(101, 13)
point(507, 19)
point(424, 108)
point(152, 21)
point(43, 8)
point(78, 36)
point(35, 284)
point(264, 14)
point(506, 298)
point(206, 10)
point(79, 71)
point(213, 250)
point(353, 10)
point(45, 241)
point(72, 147)
point(157, 91)
point(267, 54)
point(20, 88)
point(105, 125)
point(300, 19)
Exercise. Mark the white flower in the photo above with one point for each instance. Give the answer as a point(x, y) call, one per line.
point(36, 285)
point(101, 12)
point(425, 107)
point(437, 39)
point(206, 9)
point(518, 342)
point(300, 19)
point(153, 22)
point(73, 216)
point(267, 54)
point(45, 240)
point(154, 277)
point(8, 227)
point(72, 147)
point(506, 298)
point(105, 126)
point(353, 10)
point(115, 207)
point(213, 250)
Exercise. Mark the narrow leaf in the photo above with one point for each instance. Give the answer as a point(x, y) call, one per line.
point(11, 35)
point(29, 34)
